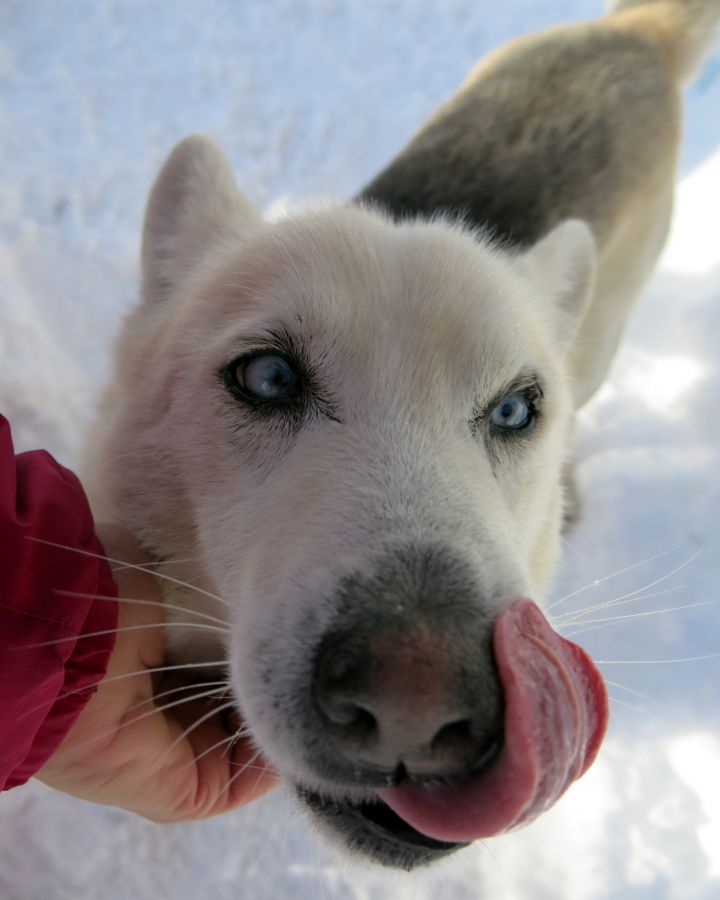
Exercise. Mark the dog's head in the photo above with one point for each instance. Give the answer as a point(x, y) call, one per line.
point(356, 430)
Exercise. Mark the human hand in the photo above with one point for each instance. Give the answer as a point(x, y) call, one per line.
point(123, 750)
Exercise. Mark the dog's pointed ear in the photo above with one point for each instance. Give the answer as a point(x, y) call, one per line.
point(192, 204)
point(562, 267)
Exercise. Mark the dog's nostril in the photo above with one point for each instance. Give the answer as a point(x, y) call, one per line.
point(453, 733)
point(340, 712)
point(477, 743)
point(351, 716)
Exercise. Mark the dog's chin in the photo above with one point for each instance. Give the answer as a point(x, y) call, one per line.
point(373, 830)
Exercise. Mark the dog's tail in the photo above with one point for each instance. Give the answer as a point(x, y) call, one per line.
point(686, 29)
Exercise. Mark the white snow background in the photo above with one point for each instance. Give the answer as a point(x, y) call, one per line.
point(308, 98)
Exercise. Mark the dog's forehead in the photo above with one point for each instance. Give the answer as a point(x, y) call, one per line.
point(351, 284)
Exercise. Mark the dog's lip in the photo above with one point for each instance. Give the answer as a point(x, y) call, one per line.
point(377, 818)
point(556, 712)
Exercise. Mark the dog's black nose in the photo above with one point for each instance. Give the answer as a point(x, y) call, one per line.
point(423, 698)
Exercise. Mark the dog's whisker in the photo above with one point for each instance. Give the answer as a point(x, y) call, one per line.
point(146, 671)
point(135, 719)
point(241, 734)
point(190, 586)
point(618, 702)
point(162, 562)
point(632, 691)
point(153, 670)
point(574, 549)
point(243, 768)
point(246, 767)
point(655, 662)
point(220, 687)
point(161, 604)
point(226, 740)
point(163, 625)
point(128, 565)
point(642, 591)
point(595, 624)
point(229, 740)
point(598, 581)
point(492, 856)
point(261, 770)
point(196, 724)
point(200, 695)
point(577, 617)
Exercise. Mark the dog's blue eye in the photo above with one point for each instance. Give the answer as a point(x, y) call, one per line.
point(513, 412)
point(268, 377)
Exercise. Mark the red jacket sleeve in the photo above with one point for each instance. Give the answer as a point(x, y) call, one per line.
point(44, 688)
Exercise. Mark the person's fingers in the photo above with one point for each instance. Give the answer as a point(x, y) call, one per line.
point(222, 769)
point(169, 758)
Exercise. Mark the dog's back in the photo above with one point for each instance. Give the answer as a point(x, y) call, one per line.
point(579, 121)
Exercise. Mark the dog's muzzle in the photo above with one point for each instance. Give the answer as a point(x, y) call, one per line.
point(441, 727)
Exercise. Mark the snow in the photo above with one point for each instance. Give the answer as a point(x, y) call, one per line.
point(308, 99)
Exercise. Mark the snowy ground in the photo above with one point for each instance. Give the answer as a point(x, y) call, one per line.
point(311, 98)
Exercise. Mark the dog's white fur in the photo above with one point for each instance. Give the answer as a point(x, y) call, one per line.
point(413, 331)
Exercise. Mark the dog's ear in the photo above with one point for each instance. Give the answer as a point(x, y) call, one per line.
point(561, 267)
point(191, 205)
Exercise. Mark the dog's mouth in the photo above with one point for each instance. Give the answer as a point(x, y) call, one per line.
point(556, 713)
point(375, 830)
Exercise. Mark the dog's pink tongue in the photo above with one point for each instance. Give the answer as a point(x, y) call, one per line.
point(555, 717)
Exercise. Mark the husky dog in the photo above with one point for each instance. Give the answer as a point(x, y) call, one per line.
point(352, 425)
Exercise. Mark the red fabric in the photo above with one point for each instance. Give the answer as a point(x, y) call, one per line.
point(41, 499)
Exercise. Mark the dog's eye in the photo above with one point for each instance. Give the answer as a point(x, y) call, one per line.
point(513, 413)
point(267, 376)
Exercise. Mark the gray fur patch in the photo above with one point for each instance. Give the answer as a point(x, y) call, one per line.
point(521, 149)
